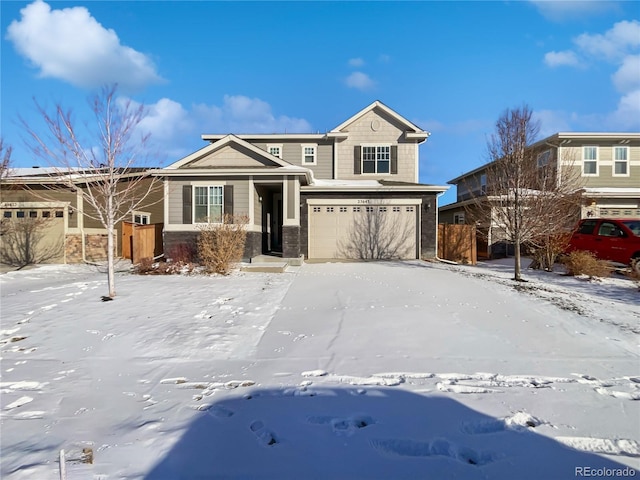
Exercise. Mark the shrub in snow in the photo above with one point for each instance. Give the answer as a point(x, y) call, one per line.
point(581, 262)
point(221, 245)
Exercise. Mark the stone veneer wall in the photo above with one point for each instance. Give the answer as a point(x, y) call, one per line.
point(95, 247)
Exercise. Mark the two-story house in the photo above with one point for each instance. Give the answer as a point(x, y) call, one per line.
point(604, 166)
point(352, 192)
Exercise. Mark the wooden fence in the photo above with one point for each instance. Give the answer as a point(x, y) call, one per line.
point(141, 241)
point(457, 243)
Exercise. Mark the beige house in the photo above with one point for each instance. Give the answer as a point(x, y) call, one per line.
point(605, 166)
point(51, 224)
point(352, 192)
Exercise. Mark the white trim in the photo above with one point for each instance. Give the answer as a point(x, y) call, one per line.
point(165, 201)
point(614, 161)
point(13, 205)
point(596, 160)
point(252, 199)
point(266, 136)
point(376, 146)
point(193, 202)
point(141, 214)
point(364, 201)
point(417, 172)
point(315, 153)
point(275, 145)
point(384, 108)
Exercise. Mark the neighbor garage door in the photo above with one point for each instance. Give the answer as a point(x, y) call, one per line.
point(363, 231)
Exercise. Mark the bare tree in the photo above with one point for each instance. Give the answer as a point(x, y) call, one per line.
point(526, 202)
point(5, 160)
point(377, 234)
point(100, 163)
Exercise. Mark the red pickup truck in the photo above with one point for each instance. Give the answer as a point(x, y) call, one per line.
point(616, 240)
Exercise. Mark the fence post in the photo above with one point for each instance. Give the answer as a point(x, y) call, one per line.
point(63, 466)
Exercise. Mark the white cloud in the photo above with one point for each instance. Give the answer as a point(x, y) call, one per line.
point(627, 115)
point(70, 44)
point(552, 121)
point(241, 114)
point(570, 10)
point(613, 44)
point(556, 59)
point(384, 58)
point(627, 78)
point(359, 80)
point(620, 46)
point(356, 62)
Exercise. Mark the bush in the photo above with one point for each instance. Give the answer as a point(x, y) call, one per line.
point(148, 267)
point(221, 246)
point(546, 250)
point(581, 262)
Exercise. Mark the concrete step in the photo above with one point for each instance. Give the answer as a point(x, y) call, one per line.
point(294, 262)
point(265, 267)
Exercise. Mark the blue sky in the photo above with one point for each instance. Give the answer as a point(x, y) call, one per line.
point(217, 67)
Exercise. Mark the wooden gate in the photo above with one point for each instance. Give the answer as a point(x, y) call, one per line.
point(457, 243)
point(141, 241)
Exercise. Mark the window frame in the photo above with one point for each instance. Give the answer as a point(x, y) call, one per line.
point(590, 160)
point(625, 162)
point(275, 145)
point(304, 154)
point(376, 160)
point(543, 158)
point(146, 215)
point(194, 205)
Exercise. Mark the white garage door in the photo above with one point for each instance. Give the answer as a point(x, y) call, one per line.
point(363, 231)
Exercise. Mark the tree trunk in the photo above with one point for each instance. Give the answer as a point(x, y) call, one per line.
point(111, 278)
point(517, 274)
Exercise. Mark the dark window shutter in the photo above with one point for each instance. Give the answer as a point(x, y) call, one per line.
point(357, 164)
point(186, 204)
point(394, 159)
point(228, 200)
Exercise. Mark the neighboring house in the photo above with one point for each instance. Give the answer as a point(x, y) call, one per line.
point(54, 222)
point(606, 167)
point(352, 192)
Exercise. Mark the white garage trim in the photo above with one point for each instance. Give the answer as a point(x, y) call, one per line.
point(342, 228)
point(365, 201)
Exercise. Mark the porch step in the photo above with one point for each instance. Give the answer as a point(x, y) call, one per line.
point(265, 267)
point(294, 261)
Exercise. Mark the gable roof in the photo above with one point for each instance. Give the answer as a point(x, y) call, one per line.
point(379, 105)
point(227, 141)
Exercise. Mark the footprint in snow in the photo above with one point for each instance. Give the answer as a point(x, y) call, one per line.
point(435, 448)
point(264, 435)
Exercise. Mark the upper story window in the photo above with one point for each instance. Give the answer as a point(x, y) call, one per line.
point(309, 154)
point(275, 150)
point(589, 161)
point(141, 218)
point(621, 161)
point(376, 159)
point(483, 184)
point(543, 158)
point(208, 204)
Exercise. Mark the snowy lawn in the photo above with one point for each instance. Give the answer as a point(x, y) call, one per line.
point(329, 371)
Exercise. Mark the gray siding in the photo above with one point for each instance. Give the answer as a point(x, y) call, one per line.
point(174, 199)
point(292, 153)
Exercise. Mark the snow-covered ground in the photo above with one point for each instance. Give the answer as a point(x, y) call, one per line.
point(329, 371)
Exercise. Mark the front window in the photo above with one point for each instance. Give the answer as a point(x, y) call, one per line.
point(590, 161)
point(208, 204)
point(621, 161)
point(483, 184)
point(309, 154)
point(543, 158)
point(376, 159)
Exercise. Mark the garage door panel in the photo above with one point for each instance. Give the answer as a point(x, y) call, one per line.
point(367, 232)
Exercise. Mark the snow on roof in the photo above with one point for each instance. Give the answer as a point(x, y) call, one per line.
point(345, 183)
point(612, 190)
